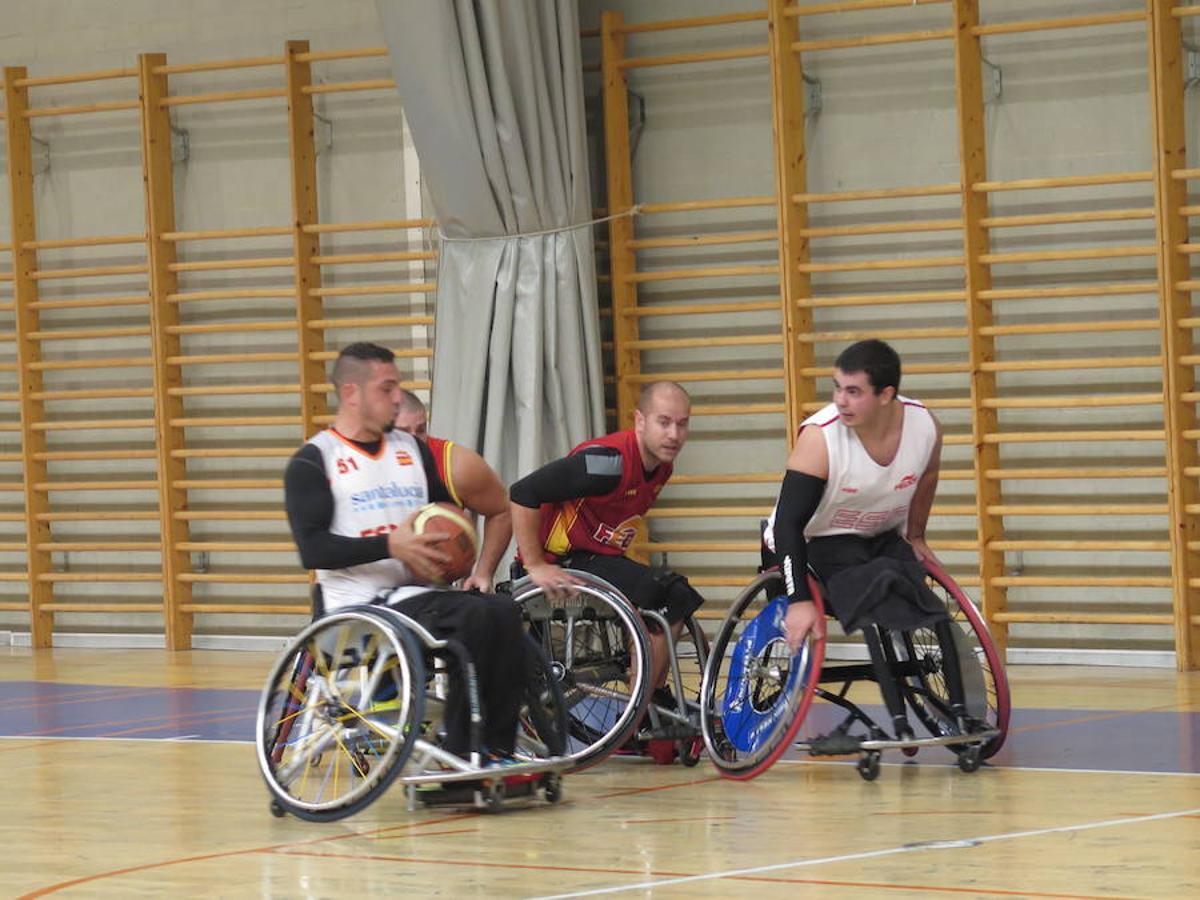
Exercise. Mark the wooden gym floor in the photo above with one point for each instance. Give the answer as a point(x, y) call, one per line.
point(131, 773)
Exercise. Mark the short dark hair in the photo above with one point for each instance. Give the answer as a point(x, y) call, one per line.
point(351, 362)
point(876, 358)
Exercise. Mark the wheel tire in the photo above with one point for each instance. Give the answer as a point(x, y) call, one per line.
point(690, 751)
point(336, 705)
point(552, 788)
point(493, 797)
point(969, 759)
point(927, 694)
point(762, 683)
point(608, 642)
point(868, 766)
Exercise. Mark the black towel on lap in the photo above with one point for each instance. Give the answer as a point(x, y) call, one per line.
point(874, 580)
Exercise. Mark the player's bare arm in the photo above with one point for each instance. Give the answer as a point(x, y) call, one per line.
point(922, 502)
point(483, 493)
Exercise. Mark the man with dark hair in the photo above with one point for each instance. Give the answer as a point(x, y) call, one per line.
point(472, 484)
point(858, 489)
point(351, 493)
point(585, 510)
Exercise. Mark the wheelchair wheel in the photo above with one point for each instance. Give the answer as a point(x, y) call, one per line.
point(597, 649)
point(543, 720)
point(756, 692)
point(338, 715)
point(984, 681)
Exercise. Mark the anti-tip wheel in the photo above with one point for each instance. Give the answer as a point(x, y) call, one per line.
point(691, 750)
point(493, 797)
point(868, 765)
point(968, 759)
point(552, 788)
point(277, 809)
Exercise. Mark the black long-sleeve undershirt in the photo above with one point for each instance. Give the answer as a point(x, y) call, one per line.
point(309, 502)
point(592, 472)
point(799, 497)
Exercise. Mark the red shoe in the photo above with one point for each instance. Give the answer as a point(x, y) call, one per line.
point(663, 752)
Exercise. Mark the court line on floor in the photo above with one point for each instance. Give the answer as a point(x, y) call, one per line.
point(457, 863)
point(179, 739)
point(225, 854)
point(987, 767)
point(875, 854)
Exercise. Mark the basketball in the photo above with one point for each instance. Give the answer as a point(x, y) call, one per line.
point(461, 544)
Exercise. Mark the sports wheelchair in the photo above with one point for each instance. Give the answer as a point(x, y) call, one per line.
point(597, 644)
point(756, 693)
point(355, 702)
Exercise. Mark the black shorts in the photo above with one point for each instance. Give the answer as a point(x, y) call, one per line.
point(662, 590)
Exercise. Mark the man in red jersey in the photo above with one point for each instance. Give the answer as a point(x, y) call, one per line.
point(585, 510)
point(472, 484)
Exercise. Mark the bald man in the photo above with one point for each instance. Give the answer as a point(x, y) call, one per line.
point(472, 484)
point(585, 510)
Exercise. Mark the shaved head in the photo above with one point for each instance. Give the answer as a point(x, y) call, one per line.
point(661, 389)
point(410, 403)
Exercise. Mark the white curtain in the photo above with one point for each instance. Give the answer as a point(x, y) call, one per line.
point(493, 93)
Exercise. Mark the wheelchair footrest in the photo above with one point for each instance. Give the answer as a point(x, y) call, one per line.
point(835, 745)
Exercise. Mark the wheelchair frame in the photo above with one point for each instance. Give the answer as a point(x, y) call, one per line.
point(357, 712)
point(623, 655)
point(779, 688)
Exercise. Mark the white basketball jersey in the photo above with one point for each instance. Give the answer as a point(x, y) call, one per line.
point(372, 495)
point(861, 496)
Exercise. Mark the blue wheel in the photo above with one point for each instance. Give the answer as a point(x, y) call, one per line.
point(756, 692)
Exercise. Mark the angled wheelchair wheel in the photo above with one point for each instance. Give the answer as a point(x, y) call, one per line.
point(597, 650)
point(543, 729)
point(756, 692)
point(985, 683)
point(339, 714)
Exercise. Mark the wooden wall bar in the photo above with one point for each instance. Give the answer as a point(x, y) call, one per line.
point(1015, 487)
point(194, 530)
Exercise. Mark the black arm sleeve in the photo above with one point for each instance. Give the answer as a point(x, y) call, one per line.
point(799, 498)
point(309, 503)
point(590, 473)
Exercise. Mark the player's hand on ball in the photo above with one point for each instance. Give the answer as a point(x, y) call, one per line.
point(420, 552)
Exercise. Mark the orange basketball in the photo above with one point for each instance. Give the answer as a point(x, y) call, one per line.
point(461, 544)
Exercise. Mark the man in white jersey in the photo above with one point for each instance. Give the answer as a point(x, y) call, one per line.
point(859, 486)
point(351, 493)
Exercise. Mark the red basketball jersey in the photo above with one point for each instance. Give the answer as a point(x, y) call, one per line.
point(609, 523)
point(442, 451)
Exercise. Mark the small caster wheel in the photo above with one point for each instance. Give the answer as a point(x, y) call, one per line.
point(493, 798)
point(277, 809)
point(690, 751)
point(968, 759)
point(910, 752)
point(552, 788)
point(868, 765)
